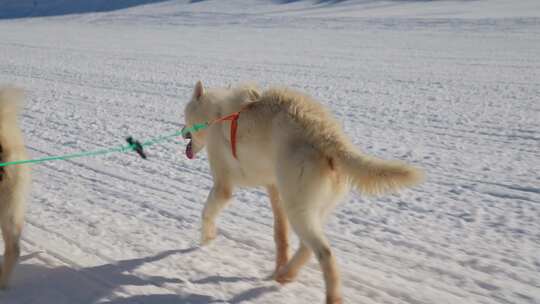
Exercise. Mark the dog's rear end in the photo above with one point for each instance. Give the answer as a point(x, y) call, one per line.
point(14, 180)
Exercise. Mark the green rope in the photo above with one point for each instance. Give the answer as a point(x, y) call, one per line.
point(122, 149)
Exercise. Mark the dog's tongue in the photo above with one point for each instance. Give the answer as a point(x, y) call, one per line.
point(189, 150)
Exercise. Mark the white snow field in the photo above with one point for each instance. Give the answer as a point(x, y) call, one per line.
point(450, 86)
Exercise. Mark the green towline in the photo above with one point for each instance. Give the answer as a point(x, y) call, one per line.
point(117, 149)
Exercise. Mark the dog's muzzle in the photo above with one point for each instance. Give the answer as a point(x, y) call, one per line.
point(189, 148)
point(186, 135)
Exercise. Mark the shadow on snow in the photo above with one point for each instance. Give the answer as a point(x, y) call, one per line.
point(36, 284)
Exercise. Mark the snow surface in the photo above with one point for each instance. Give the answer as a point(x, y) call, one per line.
point(451, 86)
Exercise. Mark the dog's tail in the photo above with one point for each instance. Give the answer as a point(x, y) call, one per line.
point(11, 139)
point(368, 174)
point(374, 176)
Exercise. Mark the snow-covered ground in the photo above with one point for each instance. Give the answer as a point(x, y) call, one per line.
point(452, 86)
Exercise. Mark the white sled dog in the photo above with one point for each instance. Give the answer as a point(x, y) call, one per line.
point(14, 180)
point(290, 144)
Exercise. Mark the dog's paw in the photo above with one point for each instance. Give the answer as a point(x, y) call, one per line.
point(282, 276)
point(333, 300)
point(208, 233)
point(207, 239)
point(277, 271)
point(284, 279)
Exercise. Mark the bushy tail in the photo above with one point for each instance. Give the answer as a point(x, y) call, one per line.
point(374, 176)
point(368, 174)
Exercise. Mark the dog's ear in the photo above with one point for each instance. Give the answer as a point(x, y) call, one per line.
point(199, 90)
point(253, 93)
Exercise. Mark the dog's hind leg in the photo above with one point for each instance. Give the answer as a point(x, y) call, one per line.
point(218, 198)
point(307, 184)
point(301, 257)
point(290, 271)
point(11, 232)
point(309, 230)
point(281, 229)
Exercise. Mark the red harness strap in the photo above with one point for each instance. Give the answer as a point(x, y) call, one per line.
point(2, 169)
point(234, 127)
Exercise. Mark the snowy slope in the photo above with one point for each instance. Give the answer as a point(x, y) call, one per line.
point(38, 8)
point(439, 9)
point(456, 93)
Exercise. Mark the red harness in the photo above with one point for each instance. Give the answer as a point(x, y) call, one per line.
point(234, 128)
point(2, 169)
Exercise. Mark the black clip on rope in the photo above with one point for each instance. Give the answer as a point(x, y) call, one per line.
point(136, 145)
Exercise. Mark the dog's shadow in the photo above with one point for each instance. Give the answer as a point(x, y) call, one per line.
point(247, 295)
point(39, 284)
point(42, 285)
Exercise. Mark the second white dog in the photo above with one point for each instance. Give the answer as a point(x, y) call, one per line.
point(14, 180)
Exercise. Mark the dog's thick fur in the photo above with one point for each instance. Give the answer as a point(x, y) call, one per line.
point(14, 180)
point(290, 144)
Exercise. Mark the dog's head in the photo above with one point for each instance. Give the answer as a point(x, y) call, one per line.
point(207, 105)
point(196, 111)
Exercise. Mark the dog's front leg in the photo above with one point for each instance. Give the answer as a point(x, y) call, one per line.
point(281, 229)
point(218, 198)
point(11, 232)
